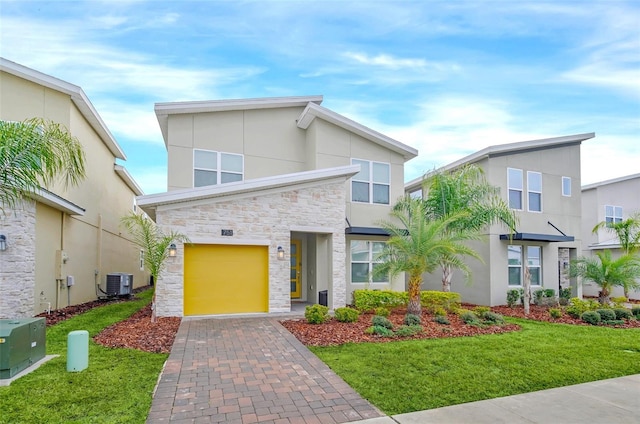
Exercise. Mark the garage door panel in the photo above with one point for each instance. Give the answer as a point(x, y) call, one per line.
point(221, 279)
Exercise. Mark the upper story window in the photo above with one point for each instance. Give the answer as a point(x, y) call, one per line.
point(612, 214)
point(566, 186)
point(534, 191)
point(371, 184)
point(515, 185)
point(211, 168)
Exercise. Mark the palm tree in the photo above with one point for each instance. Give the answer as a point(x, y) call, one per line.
point(607, 273)
point(155, 244)
point(418, 244)
point(628, 234)
point(34, 154)
point(465, 190)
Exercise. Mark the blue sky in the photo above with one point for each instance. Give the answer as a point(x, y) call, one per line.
point(446, 77)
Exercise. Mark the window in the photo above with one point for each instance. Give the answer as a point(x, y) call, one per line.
point(371, 184)
point(533, 261)
point(363, 261)
point(566, 186)
point(612, 214)
point(141, 260)
point(515, 184)
point(211, 168)
point(416, 194)
point(534, 191)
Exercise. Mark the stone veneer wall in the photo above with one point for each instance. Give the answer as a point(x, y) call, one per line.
point(264, 219)
point(18, 262)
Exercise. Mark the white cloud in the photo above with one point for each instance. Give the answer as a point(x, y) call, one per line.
point(152, 179)
point(132, 121)
point(386, 61)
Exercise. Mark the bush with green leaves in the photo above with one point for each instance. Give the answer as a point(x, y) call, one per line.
point(635, 311)
point(606, 314)
point(379, 321)
point(382, 311)
point(408, 330)
point(591, 317)
point(347, 314)
point(622, 313)
point(492, 318)
point(469, 318)
point(411, 319)
point(564, 295)
point(481, 310)
point(618, 302)
point(613, 322)
point(555, 313)
point(513, 296)
point(379, 330)
point(441, 319)
point(316, 314)
point(369, 300)
point(578, 306)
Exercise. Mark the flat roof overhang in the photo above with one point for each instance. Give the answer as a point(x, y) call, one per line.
point(366, 231)
point(536, 237)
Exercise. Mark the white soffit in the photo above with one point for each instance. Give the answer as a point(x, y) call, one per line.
point(77, 95)
point(51, 199)
point(314, 110)
point(149, 202)
point(128, 179)
point(163, 110)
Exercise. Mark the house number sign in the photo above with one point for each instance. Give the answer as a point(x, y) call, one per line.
point(227, 232)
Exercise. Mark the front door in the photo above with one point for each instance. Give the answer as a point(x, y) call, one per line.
point(296, 267)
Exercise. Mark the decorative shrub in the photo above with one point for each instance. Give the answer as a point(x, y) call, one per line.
point(492, 318)
point(538, 295)
point(622, 313)
point(635, 311)
point(316, 314)
point(382, 331)
point(411, 319)
point(512, 297)
point(565, 295)
point(408, 330)
point(606, 314)
point(382, 311)
point(555, 313)
point(481, 310)
point(578, 306)
point(618, 302)
point(449, 301)
point(347, 314)
point(440, 311)
point(441, 319)
point(613, 322)
point(469, 318)
point(369, 300)
point(461, 311)
point(379, 321)
point(591, 317)
point(549, 293)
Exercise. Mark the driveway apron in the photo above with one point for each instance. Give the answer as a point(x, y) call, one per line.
point(250, 370)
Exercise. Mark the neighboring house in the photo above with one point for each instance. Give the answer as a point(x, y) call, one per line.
point(609, 201)
point(280, 198)
point(540, 179)
point(64, 233)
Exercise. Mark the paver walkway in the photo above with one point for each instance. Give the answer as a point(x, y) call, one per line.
point(250, 370)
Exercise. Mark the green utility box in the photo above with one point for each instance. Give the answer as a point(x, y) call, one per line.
point(22, 343)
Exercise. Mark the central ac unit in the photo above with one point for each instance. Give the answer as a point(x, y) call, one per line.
point(119, 284)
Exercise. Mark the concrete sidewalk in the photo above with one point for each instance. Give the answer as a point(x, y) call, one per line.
point(607, 401)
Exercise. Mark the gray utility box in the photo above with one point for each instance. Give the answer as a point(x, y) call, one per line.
point(22, 343)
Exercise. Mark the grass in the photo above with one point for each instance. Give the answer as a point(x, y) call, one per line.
point(400, 377)
point(116, 387)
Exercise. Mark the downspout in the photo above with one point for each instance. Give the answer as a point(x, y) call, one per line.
point(96, 272)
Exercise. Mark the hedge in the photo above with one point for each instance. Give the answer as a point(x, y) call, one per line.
point(368, 300)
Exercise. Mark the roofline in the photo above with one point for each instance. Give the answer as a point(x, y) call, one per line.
point(78, 97)
point(128, 179)
point(611, 181)
point(151, 201)
point(504, 149)
point(313, 110)
point(163, 110)
point(51, 199)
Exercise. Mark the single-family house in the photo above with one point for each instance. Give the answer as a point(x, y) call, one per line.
point(540, 180)
point(281, 199)
point(59, 246)
point(611, 201)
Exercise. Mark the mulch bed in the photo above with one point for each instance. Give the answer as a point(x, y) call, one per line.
point(334, 332)
point(541, 313)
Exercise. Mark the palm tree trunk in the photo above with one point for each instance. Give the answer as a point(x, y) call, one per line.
point(527, 290)
point(447, 273)
point(603, 296)
point(414, 307)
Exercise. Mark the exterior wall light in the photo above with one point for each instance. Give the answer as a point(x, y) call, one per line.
point(3, 242)
point(280, 253)
point(173, 250)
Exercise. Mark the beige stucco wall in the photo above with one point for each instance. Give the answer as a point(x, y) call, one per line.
point(262, 219)
point(93, 241)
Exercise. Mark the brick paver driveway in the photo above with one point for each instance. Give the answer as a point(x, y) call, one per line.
point(250, 370)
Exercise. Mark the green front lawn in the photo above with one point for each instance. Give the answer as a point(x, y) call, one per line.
point(115, 388)
point(408, 376)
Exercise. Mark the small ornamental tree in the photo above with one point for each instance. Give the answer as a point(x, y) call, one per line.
point(154, 242)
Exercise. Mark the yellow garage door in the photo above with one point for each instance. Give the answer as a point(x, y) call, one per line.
point(225, 279)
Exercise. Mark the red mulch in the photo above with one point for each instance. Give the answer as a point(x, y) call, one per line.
point(334, 332)
point(541, 313)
